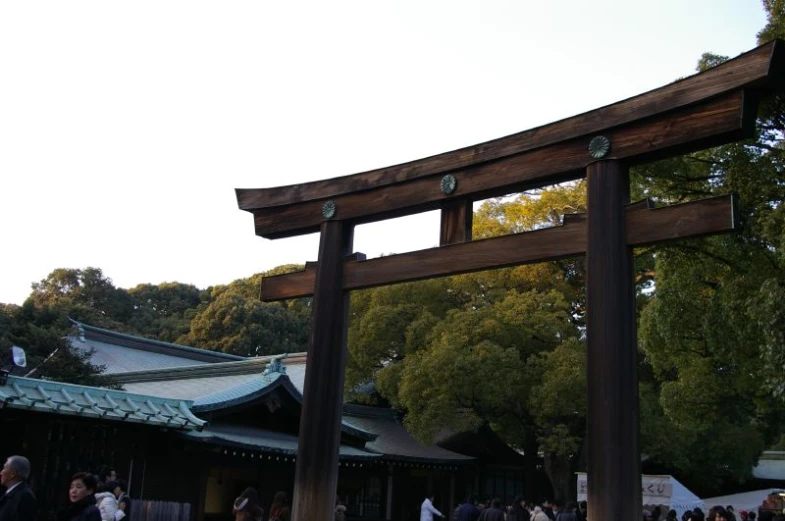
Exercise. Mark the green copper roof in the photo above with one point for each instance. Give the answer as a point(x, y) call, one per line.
point(94, 402)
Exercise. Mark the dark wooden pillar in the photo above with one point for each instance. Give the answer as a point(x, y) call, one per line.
point(456, 225)
point(316, 475)
point(614, 478)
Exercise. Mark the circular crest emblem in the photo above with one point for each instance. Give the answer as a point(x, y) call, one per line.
point(328, 210)
point(599, 147)
point(449, 184)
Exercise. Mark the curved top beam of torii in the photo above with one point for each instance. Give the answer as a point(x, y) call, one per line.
point(709, 108)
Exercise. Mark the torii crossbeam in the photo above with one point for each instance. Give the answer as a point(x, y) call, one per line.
point(711, 108)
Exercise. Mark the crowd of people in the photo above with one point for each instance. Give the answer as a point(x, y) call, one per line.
point(474, 509)
point(104, 497)
point(247, 507)
point(728, 513)
point(93, 497)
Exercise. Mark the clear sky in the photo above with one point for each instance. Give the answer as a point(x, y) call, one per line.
point(126, 126)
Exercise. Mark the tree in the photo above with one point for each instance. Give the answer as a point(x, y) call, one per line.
point(84, 294)
point(164, 311)
point(469, 350)
point(235, 321)
point(711, 331)
point(41, 331)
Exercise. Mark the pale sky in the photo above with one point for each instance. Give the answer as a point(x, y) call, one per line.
point(126, 126)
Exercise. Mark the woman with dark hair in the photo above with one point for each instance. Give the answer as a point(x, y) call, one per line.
point(672, 516)
point(718, 513)
point(518, 510)
point(279, 510)
point(246, 507)
point(82, 496)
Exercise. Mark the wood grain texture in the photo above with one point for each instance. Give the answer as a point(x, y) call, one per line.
point(644, 226)
point(316, 472)
point(760, 68)
point(714, 122)
point(613, 455)
point(456, 222)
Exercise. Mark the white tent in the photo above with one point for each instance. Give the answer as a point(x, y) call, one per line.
point(742, 501)
point(665, 491)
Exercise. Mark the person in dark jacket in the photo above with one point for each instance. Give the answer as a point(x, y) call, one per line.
point(494, 512)
point(18, 503)
point(82, 496)
point(468, 511)
point(519, 512)
point(562, 513)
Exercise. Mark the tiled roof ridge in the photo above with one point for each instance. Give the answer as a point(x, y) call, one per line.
point(247, 366)
point(82, 400)
point(158, 346)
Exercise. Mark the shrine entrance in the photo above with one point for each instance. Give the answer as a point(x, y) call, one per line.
point(711, 108)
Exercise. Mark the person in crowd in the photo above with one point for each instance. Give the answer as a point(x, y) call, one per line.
point(107, 501)
point(18, 503)
point(493, 512)
point(427, 510)
point(731, 513)
point(82, 496)
point(547, 507)
point(583, 511)
point(672, 516)
point(538, 514)
point(339, 512)
point(246, 506)
point(105, 475)
point(751, 515)
point(717, 513)
point(697, 515)
point(279, 510)
point(561, 513)
point(518, 511)
point(123, 500)
point(468, 511)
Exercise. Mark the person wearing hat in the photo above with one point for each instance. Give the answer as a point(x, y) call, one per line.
point(246, 506)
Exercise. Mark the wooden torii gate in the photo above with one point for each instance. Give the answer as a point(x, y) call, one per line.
point(711, 108)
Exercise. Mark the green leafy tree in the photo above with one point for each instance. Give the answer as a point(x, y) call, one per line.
point(41, 331)
point(84, 294)
point(164, 311)
point(234, 320)
point(711, 331)
point(469, 350)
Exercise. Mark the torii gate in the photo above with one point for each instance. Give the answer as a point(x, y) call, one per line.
point(711, 108)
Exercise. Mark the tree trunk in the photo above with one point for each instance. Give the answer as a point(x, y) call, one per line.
point(561, 471)
point(530, 455)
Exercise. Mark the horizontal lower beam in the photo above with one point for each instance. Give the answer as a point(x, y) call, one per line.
point(713, 122)
point(645, 225)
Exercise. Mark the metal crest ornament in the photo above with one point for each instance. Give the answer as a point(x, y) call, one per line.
point(599, 146)
point(328, 210)
point(449, 184)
